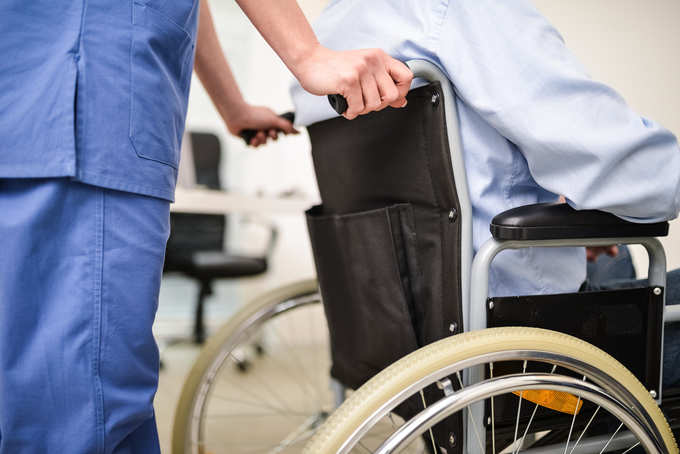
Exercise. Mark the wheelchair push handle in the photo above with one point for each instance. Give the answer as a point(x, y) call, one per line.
point(339, 102)
point(248, 134)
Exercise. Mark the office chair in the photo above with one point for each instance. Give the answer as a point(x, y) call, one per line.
point(196, 247)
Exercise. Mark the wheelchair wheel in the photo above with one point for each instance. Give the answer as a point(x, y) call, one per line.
point(261, 383)
point(540, 391)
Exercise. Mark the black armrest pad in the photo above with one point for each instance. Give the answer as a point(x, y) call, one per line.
point(550, 221)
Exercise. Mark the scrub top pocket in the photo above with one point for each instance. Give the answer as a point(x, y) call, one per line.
point(161, 64)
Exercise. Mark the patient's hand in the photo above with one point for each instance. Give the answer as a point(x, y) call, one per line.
point(369, 78)
point(592, 253)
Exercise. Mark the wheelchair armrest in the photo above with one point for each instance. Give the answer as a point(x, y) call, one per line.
point(553, 221)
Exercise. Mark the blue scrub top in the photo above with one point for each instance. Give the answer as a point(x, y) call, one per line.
point(96, 90)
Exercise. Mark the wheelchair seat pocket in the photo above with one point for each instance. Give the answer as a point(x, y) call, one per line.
point(368, 274)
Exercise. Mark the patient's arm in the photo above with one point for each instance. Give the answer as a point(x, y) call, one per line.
point(369, 79)
point(593, 252)
point(579, 136)
point(213, 70)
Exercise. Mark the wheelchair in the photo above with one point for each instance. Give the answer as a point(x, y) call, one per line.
point(437, 365)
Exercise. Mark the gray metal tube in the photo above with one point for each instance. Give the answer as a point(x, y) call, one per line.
point(656, 276)
point(479, 289)
point(672, 314)
point(428, 71)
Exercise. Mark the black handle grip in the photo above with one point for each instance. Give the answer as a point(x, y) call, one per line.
point(248, 134)
point(338, 103)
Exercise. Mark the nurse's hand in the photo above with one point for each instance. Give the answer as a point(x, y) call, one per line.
point(262, 119)
point(369, 78)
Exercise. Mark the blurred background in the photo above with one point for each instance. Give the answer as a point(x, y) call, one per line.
point(629, 44)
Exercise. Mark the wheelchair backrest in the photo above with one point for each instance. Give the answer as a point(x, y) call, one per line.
point(392, 238)
point(387, 237)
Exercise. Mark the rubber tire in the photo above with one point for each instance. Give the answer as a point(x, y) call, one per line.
point(427, 360)
point(213, 347)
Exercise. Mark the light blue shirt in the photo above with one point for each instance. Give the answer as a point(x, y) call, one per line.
point(533, 123)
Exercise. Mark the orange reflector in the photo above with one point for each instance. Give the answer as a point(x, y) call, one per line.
point(555, 400)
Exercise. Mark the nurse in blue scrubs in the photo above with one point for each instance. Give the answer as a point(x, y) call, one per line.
point(93, 97)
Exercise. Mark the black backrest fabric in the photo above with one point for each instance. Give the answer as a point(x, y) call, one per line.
point(193, 232)
point(400, 156)
point(386, 238)
point(386, 157)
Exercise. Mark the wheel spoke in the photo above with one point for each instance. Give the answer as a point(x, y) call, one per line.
point(573, 419)
point(297, 435)
point(258, 415)
point(469, 412)
point(521, 441)
point(493, 417)
point(303, 370)
point(584, 430)
point(259, 400)
point(612, 437)
point(519, 408)
point(634, 446)
point(434, 445)
point(274, 410)
point(280, 363)
point(269, 390)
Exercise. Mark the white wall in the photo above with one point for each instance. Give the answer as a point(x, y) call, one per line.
point(633, 45)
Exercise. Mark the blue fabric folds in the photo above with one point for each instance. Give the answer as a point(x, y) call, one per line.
point(96, 90)
point(80, 270)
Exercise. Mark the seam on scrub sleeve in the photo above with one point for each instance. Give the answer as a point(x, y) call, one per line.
point(98, 270)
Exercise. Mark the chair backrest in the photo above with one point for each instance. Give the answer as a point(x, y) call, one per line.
point(194, 232)
point(207, 154)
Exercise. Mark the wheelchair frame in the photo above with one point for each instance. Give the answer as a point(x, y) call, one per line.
point(475, 273)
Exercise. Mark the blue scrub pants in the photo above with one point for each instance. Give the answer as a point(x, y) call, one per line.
point(80, 271)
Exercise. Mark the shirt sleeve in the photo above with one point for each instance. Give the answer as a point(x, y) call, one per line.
point(579, 137)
